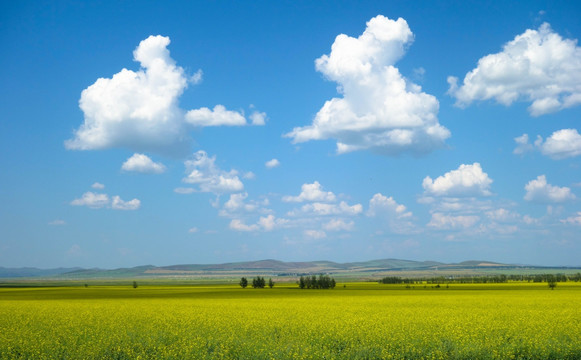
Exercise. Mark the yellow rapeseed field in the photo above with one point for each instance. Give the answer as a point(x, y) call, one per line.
point(359, 321)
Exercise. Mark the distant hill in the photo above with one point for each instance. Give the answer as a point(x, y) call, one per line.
point(270, 267)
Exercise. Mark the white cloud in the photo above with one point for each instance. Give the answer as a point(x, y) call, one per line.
point(380, 203)
point(395, 215)
point(92, 200)
point(203, 172)
point(237, 203)
point(249, 175)
point(143, 164)
point(98, 201)
point(219, 116)
point(539, 191)
point(537, 66)
point(380, 109)
point(311, 192)
point(193, 230)
point(139, 110)
point(118, 204)
point(135, 110)
point(562, 144)
point(272, 163)
point(445, 221)
point(467, 180)
point(270, 222)
point(522, 145)
point(182, 190)
point(315, 234)
point(57, 222)
point(258, 118)
point(324, 209)
point(238, 225)
point(75, 251)
point(265, 223)
point(339, 225)
point(98, 186)
point(502, 215)
point(574, 220)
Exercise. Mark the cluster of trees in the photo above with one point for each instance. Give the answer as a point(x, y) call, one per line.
point(312, 282)
point(395, 280)
point(483, 279)
point(257, 282)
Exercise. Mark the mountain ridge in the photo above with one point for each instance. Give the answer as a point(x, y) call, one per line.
point(270, 266)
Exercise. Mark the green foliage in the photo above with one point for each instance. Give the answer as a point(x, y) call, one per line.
point(258, 282)
point(135, 284)
point(243, 282)
point(270, 283)
point(312, 282)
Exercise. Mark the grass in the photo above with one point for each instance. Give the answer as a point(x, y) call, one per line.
point(360, 320)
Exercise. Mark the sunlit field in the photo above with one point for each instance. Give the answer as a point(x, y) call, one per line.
point(358, 321)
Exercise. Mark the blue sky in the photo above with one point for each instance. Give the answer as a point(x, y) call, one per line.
point(139, 133)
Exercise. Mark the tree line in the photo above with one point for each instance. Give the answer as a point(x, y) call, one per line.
point(312, 282)
point(305, 282)
point(483, 279)
point(257, 282)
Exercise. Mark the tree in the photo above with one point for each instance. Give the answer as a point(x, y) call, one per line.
point(258, 282)
point(135, 284)
point(302, 282)
point(551, 281)
point(270, 283)
point(243, 282)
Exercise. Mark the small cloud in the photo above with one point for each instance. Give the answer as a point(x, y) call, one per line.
point(202, 171)
point(75, 251)
point(311, 192)
point(183, 190)
point(98, 186)
point(573, 220)
point(197, 77)
point(443, 221)
point(272, 163)
point(258, 118)
point(467, 180)
point(249, 175)
point(98, 201)
point(538, 190)
point(119, 204)
point(562, 144)
point(315, 234)
point(219, 116)
point(339, 225)
point(143, 164)
point(522, 145)
point(92, 200)
point(193, 230)
point(238, 225)
point(57, 223)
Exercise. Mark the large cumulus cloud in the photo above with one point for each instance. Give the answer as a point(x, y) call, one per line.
point(379, 110)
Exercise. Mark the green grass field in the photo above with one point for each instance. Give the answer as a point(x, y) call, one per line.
point(359, 321)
